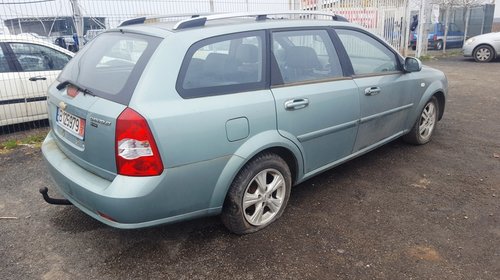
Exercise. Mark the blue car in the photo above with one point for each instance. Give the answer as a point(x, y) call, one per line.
point(435, 37)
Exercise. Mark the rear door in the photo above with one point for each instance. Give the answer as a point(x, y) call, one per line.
point(317, 106)
point(38, 67)
point(12, 97)
point(385, 93)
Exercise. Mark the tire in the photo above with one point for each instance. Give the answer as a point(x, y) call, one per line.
point(484, 53)
point(250, 204)
point(424, 127)
point(439, 45)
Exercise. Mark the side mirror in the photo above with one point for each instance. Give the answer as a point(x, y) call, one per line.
point(412, 64)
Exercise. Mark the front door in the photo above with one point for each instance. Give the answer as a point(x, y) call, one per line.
point(385, 92)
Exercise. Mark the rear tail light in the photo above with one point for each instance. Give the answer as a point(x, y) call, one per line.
point(136, 151)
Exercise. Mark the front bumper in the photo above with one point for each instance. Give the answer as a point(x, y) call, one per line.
point(467, 50)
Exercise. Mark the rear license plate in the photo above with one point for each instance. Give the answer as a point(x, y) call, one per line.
point(71, 123)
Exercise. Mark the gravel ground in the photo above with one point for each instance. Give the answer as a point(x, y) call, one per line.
point(400, 212)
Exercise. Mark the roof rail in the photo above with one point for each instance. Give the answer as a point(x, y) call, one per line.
point(146, 19)
point(201, 20)
point(194, 20)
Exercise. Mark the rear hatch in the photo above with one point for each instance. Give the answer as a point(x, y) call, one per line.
point(92, 91)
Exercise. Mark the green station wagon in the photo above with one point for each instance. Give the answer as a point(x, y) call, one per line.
point(159, 121)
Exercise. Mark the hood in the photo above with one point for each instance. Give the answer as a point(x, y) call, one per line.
point(487, 36)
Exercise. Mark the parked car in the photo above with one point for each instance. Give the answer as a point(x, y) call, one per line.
point(163, 122)
point(484, 48)
point(27, 67)
point(435, 37)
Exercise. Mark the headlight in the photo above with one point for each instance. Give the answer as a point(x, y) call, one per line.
point(470, 41)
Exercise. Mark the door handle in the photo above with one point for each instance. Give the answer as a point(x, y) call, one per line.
point(36, 78)
point(372, 91)
point(295, 104)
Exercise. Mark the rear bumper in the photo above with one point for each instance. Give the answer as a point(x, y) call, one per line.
point(130, 202)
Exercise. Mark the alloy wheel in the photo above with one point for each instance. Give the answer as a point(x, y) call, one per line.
point(427, 121)
point(264, 197)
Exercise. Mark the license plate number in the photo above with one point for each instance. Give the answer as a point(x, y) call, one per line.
point(71, 123)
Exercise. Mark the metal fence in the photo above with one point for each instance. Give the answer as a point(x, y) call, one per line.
point(31, 29)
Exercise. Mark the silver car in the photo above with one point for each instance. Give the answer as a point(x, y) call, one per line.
point(484, 48)
point(222, 114)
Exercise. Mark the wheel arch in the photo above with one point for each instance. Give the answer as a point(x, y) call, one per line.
point(266, 142)
point(441, 103)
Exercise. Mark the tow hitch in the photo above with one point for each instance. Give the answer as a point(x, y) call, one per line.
point(56, 201)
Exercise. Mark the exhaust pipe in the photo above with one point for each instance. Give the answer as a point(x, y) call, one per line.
point(56, 201)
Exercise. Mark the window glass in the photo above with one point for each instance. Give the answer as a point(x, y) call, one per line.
point(111, 64)
point(453, 28)
point(367, 55)
point(224, 62)
point(33, 57)
point(4, 65)
point(305, 55)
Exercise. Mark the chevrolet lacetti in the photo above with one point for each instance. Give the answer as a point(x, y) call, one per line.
point(159, 121)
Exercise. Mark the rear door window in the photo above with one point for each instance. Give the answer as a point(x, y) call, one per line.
point(305, 55)
point(111, 65)
point(222, 65)
point(32, 57)
point(4, 64)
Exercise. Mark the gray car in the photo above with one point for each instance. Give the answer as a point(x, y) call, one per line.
point(222, 114)
point(484, 48)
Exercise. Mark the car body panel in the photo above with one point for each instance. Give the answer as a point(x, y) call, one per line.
point(96, 151)
point(330, 117)
point(384, 114)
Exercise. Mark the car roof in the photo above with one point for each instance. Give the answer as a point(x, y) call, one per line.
point(225, 23)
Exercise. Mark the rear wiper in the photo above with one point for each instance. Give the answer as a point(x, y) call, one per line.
point(66, 83)
point(62, 85)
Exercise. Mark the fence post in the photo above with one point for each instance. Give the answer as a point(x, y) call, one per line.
point(78, 20)
point(421, 26)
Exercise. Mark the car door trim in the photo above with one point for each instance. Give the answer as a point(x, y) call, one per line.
point(385, 113)
point(22, 100)
point(312, 82)
point(325, 131)
point(360, 76)
point(351, 156)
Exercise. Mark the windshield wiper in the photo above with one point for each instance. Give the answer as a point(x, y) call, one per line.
point(85, 91)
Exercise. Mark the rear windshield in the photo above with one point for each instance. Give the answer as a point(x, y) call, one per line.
point(111, 65)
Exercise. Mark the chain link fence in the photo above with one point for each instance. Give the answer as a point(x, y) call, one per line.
point(40, 36)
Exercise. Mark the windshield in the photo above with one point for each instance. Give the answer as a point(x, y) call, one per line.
point(111, 65)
